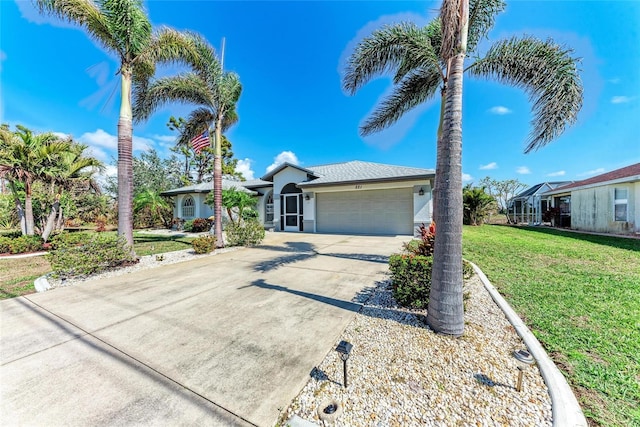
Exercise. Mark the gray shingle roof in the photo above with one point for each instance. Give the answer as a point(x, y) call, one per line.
point(358, 171)
point(255, 183)
point(205, 187)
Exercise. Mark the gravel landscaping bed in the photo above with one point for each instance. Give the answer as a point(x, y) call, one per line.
point(144, 263)
point(400, 373)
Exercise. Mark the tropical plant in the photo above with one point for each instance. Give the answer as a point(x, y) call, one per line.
point(26, 158)
point(216, 93)
point(149, 209)
point(123, 28)
point(426, 59)
point(236, 202)
point(72, 172)
point(477, 204)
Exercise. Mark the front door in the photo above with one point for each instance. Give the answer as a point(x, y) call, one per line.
point(291, 212)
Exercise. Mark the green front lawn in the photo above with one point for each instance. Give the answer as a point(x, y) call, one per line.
point(580, 295)
point(17, 275)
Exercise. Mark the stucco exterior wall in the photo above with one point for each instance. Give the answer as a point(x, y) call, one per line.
point(592, 209)
point(422, 206)
point(286, 176)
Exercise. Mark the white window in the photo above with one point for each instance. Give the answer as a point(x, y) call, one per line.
point(620, 204)
point(188, 207)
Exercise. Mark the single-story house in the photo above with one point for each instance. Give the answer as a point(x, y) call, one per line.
point(606, 203)
point(529, 206)
point(351, 197)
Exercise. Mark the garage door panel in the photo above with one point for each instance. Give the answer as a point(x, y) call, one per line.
point(368, 212)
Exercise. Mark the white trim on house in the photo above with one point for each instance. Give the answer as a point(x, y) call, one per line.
point(364, 194)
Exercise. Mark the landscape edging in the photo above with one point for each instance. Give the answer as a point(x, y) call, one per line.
point(565, 408)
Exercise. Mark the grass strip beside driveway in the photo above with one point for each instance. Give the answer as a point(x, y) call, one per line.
point(580, 295)
point(18, 274)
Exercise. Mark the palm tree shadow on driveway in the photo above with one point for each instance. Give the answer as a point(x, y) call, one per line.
point(301, 251)
point(359, 304)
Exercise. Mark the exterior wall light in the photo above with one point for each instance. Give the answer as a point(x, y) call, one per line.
point(525, 360)
point(421, 192)
point(344, 348)
point(306, 196)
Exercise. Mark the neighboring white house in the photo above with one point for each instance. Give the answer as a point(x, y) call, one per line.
point(529, 206)
point(352, 197)
point(607, 203)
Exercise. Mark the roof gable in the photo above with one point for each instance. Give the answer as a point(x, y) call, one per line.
point(354, 171)
point(631, 172)
point(269, 176)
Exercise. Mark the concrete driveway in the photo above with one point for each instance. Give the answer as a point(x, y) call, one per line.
point(223, 340)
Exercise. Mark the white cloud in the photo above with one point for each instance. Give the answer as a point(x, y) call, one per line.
point(100, 141)
point(284, 157)
point(614, 80)
point(61, 135)
point(500, 110)
point(592, 172)
point(165, 138)
point(3, 56)
point(621, 99)
point(466, 177)
point(109, 170)
point(244, 167)
point(523, 170)
point(558, 173)
point(100, 138)
point(489, 166)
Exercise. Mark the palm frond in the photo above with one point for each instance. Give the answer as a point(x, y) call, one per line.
point(482, 17)
point(167, 46)
point(548, 74)
point(86, 14)
point(185, 88)
point(129, 26)
point(197, 122)
point(421, 50)
point(383, 52)
point(413, 90)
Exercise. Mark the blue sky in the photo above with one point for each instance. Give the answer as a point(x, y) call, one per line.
point(290, 55)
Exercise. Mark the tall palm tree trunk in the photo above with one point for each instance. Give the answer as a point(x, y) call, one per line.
point(28, 210)
point(217, 182)
point(19, 209)
point(125, 162)
point(445, 313)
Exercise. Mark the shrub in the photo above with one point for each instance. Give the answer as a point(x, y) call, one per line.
point(24, 244)
point(66, 240)
point(411, 279)
point(101, 252)
point(188, 226)
point(204, 244)
point(247, 233)
point(10, 234)
point(200, 224)
point(250, 213)
point(426, 244)
point(5, 245)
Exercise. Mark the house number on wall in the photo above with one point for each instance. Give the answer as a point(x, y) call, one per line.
point(358, 187)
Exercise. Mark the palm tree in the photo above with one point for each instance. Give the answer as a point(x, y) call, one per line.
point(123, 28)
point(25, 158)
point(71, 167)
point(215, 91)
point(426, 59)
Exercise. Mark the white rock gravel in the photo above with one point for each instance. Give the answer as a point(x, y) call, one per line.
point(401, 373)
point(144, 263)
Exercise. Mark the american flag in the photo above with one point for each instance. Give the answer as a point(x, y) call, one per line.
point(201, 141)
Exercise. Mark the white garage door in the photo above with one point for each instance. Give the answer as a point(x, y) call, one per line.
point(365, 212)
